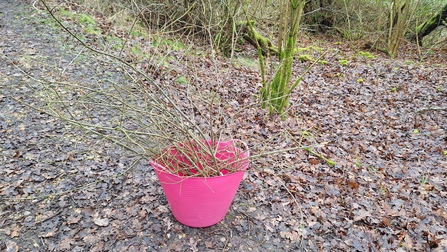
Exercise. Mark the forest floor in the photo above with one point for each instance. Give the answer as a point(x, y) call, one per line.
point(384, 121)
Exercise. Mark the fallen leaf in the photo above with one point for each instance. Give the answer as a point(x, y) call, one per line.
point(313, 161)
point(98, 247)
point(47, 234)
point(101, 222)
point(353, 185)
point(208, 244)
point(408, 242)
point(11, 246)
point(15, 232)
point(17, 154)
point(361, 214)
point(73, 220)
point(163, 209)
point(442, 213)
point(251, 209)
point(91, 239)
point(292, 236)
point(66, 243)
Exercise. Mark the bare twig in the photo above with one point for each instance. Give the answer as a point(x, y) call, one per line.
point(430, 108)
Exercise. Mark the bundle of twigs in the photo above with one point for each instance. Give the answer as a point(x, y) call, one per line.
point(144, 116)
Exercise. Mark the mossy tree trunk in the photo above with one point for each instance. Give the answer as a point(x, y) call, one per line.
point(275, 95)
point(429, 25)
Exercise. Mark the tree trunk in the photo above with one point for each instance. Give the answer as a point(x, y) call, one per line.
point(276, 94)
point(398, 24)
point(428, 26)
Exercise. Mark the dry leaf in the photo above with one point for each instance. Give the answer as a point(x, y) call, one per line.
point(353, 185)
point(73, 220)
point(15, 232)
point(66, 243)
point(361, 214)
point(385, 222)
point(101, 222)
point(11, 246)
point(442, 213)
point(91, 239)
point(47, 234)
point(313, 161)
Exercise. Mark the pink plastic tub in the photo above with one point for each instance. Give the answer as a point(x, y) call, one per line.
point(203, 202)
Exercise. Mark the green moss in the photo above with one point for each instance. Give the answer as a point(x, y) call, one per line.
point(182, 80)
point(49, 22)
point(255, 38)
point(343, 62)
point(66, 13)
point(85, 19)
point(366, 54)
point(136, 50)
point(137, 32)
point(115, 42)
point(306, 57)
point(89, 24)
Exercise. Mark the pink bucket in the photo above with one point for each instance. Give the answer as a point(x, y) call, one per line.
point(199, 201)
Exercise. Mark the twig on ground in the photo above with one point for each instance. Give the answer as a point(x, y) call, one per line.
point(328, 161)
point(430, 108)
